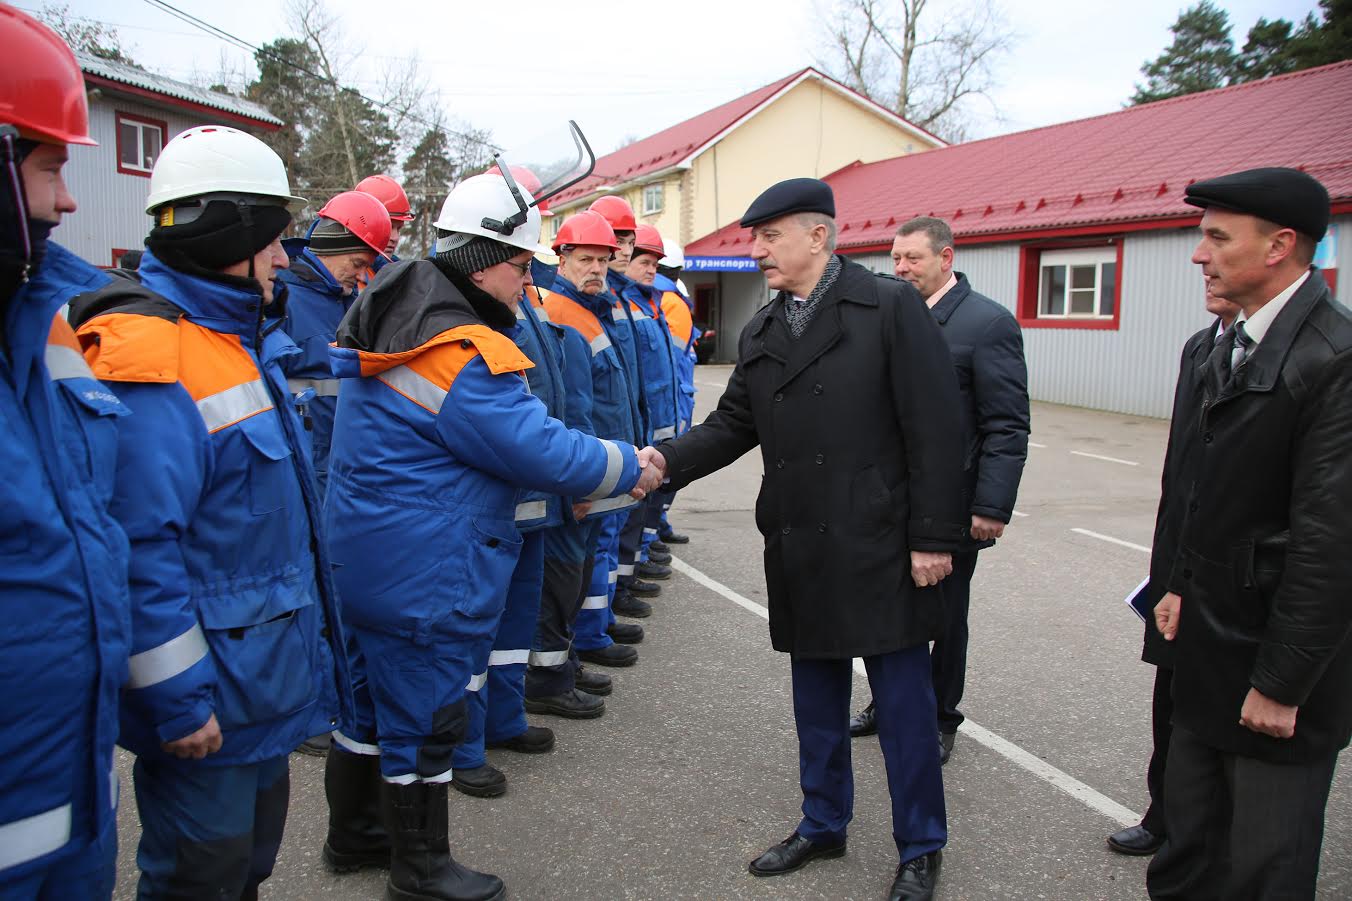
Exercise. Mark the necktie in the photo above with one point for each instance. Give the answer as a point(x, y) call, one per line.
point(1243, 346)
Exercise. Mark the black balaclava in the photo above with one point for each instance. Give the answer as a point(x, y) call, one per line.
point(23, 239)
point(222, 235)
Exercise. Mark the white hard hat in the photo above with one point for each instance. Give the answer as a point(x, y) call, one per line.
point(217, 159)
point(487, 197)
point(675, 258)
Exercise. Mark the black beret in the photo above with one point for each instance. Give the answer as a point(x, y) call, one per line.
point(1288, 197)
point(797, 195)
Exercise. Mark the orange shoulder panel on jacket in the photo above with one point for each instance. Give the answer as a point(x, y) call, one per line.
point(566, 311)
point(453, 350)
point(129, 347)
point(678, 316)
point(212, 362)
point(61, 333)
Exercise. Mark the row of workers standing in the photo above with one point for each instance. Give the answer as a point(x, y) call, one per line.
point(173, 568)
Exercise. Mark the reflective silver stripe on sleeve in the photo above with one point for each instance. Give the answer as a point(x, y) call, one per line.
point(234, 404)
point(596, 602)
point(531, 510)
point(168, 660)
point(421, 391)
point(66, 363)
point(30, 838)
point(477, 681)
point(668, 432)
point(548, 658)
point(599, 343)
point(356, 747)
point(507, 658)
point(614, 469)
point(609, 504)
point(322, 387)
point(541, 314)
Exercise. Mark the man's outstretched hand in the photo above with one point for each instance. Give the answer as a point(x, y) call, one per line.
point(654, 467)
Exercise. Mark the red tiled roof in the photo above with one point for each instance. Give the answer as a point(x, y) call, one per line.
point(1124, 167)
point(671, 145)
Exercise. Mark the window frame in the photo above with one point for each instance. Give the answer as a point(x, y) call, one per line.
point(660, 189)
point(1031, 255)
point(142, 123)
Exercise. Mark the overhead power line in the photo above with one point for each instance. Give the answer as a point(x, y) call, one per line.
point(222, 34)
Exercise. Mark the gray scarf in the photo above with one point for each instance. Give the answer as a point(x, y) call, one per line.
point(800, 315)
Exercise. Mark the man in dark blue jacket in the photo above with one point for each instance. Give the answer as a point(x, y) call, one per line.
point(987, 350)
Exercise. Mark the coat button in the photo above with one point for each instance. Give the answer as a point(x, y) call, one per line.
point(1187, 574)
point(821, 458)
point(780, 463)
point(1208, 438)
point(817, 389)
point(779, 396)
point(1192, 507)
point(821, 527)
point(786, 530)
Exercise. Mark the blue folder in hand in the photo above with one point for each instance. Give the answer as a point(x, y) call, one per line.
point(1140, 601)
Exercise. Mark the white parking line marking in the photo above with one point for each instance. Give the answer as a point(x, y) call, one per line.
point(710, 384)
point(1111, 540)
point(1035, 444)
point(1109, 459)
point(1067, 783)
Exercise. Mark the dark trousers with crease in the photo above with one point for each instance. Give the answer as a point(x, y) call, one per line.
point(1161, 714)
point(900, 682)
point(948, 659)
point(1240, 829)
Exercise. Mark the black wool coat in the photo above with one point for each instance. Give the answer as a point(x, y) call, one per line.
point(1176, 480)
point(1263, 569)
point(860, 433)
point(987, 347)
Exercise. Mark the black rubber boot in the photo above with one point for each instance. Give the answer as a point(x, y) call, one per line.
point(357, 836)
point(422, 868)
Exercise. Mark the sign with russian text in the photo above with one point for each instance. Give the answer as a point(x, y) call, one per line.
point(720, 264)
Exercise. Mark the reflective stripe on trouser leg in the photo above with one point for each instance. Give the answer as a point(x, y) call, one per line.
point(469, 752)
point(652, 521)
point(631, 538)
point(208, 831)
point(592, 622)
point(359, 736)
point(511, 651)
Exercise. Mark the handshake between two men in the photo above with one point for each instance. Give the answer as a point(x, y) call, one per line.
point(927, 568)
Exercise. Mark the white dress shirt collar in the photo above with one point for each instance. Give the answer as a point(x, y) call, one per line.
point(1257, 326)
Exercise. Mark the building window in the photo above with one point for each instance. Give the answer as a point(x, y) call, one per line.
point(654, 195)
point(139, 141)
point(1070, 287)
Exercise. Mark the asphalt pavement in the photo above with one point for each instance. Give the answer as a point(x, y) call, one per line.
point(693, 770)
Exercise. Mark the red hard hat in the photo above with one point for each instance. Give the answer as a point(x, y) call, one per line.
point(389, 193)
point(586, 228)
point(363, 215)
point(647, 240)
point(42, 91)
point(617, 211)
point(528, 180)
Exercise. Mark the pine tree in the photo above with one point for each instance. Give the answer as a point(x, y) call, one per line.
point(1201, 57)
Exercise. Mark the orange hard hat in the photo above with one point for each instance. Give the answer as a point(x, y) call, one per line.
point(42, 91)
point(586, 228)
point(363, 215)
point(527, 179)
point(617, 211)
point(389, 193)
point(647, 240)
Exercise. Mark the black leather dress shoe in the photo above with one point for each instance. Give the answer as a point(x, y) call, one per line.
point(573, 705)
point(598, 684)
point(674, 538)
point(485, 781)
point(662, 557)
point(614, 655)
point(535, 740)
point(625, 633)
point(865, 722)
point(945, 746)
point(650, 570)
point(917, 879)
point(1137, 841)
point(625, 604)
point(641, 589)
point(793, 853)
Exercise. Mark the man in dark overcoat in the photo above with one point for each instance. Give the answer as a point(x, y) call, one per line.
point(845, 383)
point(987, 348)
point(1180, 465)
point(1260, 598)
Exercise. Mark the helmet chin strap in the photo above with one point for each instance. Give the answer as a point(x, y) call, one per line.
point(9, 171)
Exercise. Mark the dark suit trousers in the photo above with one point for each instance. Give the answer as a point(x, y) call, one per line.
point(948, 660)
point(905, 701)
point(1240, 829)
point(1161, 714)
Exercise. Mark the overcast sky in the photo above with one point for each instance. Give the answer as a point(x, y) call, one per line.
point(517, 68)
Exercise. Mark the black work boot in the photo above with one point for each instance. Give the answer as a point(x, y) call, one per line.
point(625, 604)
point(421, 867)
point(673, 538)
point(598, 684)
point(357, 836)
point(640, 588)
point(650, 570)
point(625, 633)
point(660, 546)
point(656, 556)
